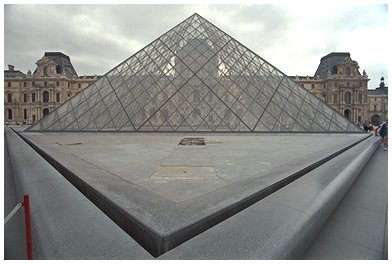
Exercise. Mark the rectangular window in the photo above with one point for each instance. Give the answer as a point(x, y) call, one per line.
point(336, 84)
point(25, 114)
point(57, 83)
point(45, 84)
point(57, 97)
point(33, 83)
point(9, 84)
point(335, 98)
point(375, 107)
point(79, 85)
point(24, 84)
point(33, 97)
point(25, 98)
point(9, 98)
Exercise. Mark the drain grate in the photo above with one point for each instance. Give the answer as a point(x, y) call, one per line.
point(192, 141)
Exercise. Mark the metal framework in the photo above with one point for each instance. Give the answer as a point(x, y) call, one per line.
point(195, 77)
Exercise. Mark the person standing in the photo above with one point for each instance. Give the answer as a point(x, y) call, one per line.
point(384, 134)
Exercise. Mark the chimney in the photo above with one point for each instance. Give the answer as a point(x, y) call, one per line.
point(11, 67)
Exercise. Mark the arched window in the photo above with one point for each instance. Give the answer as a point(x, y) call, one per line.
point(347, 72)
point(45, 96)
point(45, 111)
point(347, 98)
point(9, 114)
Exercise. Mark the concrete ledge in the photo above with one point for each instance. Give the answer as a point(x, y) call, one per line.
point(179, 226)
point(281, 226)
point(284, 224)
point(66, 225)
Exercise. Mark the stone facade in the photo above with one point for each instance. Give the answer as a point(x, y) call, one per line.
point(28, 97)
point(338, 82)
point(378, 103)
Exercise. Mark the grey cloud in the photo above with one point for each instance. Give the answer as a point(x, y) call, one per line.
point(99, 37)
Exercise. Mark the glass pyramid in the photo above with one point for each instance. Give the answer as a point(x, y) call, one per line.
point(195, 77)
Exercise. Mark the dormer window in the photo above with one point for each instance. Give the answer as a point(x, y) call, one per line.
point(335, 69)
point(46, 72)
point(347, 72)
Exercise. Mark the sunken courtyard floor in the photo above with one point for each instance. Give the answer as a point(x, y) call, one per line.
point(163, 193)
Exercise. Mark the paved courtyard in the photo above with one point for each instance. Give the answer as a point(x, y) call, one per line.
point(172, 192)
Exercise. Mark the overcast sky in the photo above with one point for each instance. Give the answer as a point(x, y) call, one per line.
point(293, 38)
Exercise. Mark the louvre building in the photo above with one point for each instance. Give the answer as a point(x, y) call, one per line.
point(195, 77)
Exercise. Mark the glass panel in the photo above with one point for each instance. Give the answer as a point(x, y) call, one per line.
point(77, 99)
point(93, 99)
point(55, 126)
point(120, 120)
point(97, 109)
point(286, 120)
point(109, 126)
point(249, 119)
point(85, 119)
point(80, 109)
point(102, 119)
point(64, 109)
point(67, 119)
point(90, 127)
point(72, 127)
point(335, 128)
point(127, 127)
point(304, 120)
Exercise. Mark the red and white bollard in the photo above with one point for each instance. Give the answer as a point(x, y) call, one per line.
point(26, 205)
point(29, 241)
